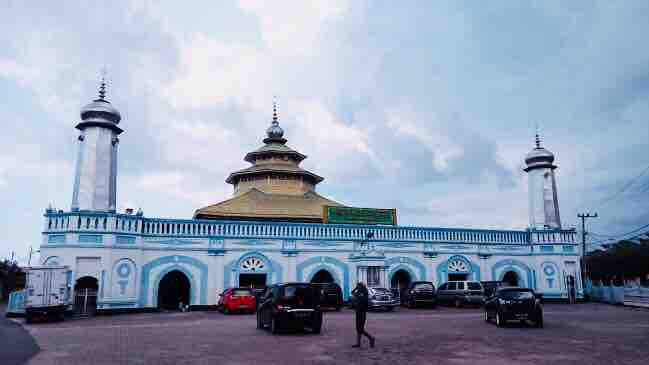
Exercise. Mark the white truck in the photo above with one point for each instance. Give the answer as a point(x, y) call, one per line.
point(47, 292)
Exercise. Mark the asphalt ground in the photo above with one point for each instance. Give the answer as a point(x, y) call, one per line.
point(16, 344)
point(573, 334)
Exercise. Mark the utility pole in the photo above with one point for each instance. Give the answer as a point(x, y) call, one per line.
point(584, 270)
point(31, 250)
point(583, 217)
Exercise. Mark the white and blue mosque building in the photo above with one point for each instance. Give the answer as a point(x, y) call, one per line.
point(273, 230)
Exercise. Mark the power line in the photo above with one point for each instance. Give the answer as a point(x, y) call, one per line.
point(621, 236)
point(624, 188)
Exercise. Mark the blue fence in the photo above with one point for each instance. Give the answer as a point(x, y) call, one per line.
point(629, 294)
point(16, 302)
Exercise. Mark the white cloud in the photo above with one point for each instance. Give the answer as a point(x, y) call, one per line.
point(292, 28)
point(430, 132)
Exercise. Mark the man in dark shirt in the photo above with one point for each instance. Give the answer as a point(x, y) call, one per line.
point(360, 297)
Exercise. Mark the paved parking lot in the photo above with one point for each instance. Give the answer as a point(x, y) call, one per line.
point(584, 334)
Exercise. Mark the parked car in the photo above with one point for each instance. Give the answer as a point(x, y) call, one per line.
point(490, 287)
point(420, 292)
point(379, 298)
point(237, 300)
point(289, 305)
point(511, 303)
point(330, 295)
point(460, 293)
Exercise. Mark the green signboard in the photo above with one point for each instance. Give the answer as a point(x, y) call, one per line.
point(351, 215)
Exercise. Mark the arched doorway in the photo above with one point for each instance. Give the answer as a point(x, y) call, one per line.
point(400, 282)
point(173, 289)
point(510, 278)
point(322, 276)
point(85, 296)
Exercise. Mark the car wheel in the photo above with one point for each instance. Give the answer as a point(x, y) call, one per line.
point(338, 308)
point(389, 309)
point(226, 310)
point(499, 320)
point(410, 304)
point(260, 325)
point(28, 319)
point(486, 316)
point(539, 321)
point(274, 325)
point(317, 329)
point(458, 303)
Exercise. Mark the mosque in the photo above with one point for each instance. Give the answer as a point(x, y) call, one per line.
point(277, 228)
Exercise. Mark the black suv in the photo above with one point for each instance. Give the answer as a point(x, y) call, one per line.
point(329, 295)
point(510, 303)
point(289, 305)
point(420, 292)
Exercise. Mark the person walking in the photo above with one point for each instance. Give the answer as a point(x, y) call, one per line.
point(360, 296)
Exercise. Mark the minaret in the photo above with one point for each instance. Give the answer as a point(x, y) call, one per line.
point(542, 188)
point(95, 181)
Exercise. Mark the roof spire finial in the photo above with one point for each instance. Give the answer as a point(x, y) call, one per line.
point(275, 121)
point(537, 138)
point(102, 85)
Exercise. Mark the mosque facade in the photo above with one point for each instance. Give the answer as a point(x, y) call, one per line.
point(277, 228)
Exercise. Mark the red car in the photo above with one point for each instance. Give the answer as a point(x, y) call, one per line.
point(237, 300)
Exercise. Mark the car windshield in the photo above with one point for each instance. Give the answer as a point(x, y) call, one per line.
point(516, 294)
point(475, 286)
point(300, 296)
point(423, 286)
point(242, 292)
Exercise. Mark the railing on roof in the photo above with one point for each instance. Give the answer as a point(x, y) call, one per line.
point(139, 225)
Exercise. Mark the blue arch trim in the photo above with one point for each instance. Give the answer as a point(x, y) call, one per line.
point(326, 268)
point(518, 267)
point(48, 260)
point(409, 261)
point(190, 278)
point(272, 269)
point(176, 260)
point(323, 261)
point(442, 269)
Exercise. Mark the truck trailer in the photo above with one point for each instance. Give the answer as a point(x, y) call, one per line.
point(47, 292)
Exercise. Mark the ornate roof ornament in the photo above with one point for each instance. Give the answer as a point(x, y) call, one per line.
point(275, 133)
point(539, 157)
point(102, 87)
point(100, 110)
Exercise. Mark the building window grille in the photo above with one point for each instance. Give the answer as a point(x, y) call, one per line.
point(105, 222)
point(373, 276)
point(87, 223)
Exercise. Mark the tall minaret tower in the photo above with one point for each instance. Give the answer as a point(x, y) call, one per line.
point(95, 180)
point(542, 188)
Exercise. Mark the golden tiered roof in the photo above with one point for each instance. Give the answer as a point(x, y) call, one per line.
point(275, 187)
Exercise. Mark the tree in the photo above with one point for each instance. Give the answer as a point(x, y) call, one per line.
point(623, 260)
point(12, 278)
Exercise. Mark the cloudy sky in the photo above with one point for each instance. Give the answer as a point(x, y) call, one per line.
point(425, 106)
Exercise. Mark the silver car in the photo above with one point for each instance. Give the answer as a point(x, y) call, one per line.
point(381, 298)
